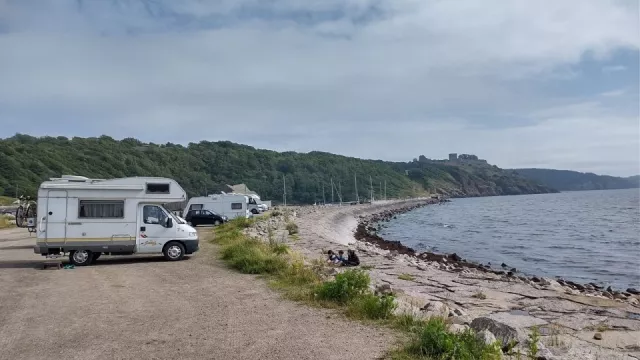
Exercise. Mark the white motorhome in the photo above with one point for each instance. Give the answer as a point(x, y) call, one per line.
point(89, 217)
point(229, 205)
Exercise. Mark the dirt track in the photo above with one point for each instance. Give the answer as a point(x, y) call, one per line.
point(146, 308)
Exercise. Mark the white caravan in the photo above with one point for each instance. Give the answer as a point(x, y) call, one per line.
point(229, 205)
point(89, 217)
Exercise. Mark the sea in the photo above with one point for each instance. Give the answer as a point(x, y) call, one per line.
point(584, 236)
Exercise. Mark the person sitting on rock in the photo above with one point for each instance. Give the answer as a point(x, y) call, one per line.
point(340, 258)
point(331, 257)
point(352, 259)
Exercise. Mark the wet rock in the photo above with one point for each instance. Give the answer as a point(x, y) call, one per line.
point(455, 257)
point(504, 265)
point(535, 279)
point(510, 274)
point(595, 286)
point(633, 291)
point(486, 336)
point(597, 336)
point(503, 332)
point(514, 270)
point(609, 289)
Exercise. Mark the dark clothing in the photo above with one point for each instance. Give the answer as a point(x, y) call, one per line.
point(352, 260)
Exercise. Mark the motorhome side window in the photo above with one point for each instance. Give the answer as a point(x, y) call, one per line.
point(236, 206)
point(152, 214)
point(157, 188)
point(101, 209)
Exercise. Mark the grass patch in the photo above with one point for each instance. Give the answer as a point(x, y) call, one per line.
point(292, 228)
point(349, 291)
point(479, 295)
point(532, 348)
point(432, 340)
point(367, 267)
point(6, 222)
point(346, 286)
point(406, 277)
point(6, 200)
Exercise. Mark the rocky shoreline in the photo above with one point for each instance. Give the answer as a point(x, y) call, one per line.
point(369, 225)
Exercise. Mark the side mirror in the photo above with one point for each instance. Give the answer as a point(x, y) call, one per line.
point(169, 223)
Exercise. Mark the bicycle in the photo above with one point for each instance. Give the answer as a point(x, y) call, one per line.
point(26, 213)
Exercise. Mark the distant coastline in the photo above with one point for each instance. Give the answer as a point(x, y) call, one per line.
point(567, 180)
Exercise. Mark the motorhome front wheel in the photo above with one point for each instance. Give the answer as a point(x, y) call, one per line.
point(174, 251)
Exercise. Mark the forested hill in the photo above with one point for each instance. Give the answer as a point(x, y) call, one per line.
point(565, 180)
point(26, 161)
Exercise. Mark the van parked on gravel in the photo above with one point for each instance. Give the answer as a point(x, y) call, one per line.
point(89, 217)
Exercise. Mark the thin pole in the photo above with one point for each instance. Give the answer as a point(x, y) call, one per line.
point(385, 189)
point(332, 190)
point(324, 201)
point(340, 191)
point(355, 181)
point(371, 186)
point(381, 188)
point(284, 194)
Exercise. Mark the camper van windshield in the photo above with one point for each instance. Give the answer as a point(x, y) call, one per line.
point(175, 218)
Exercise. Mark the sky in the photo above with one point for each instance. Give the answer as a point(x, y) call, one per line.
point(521, 83)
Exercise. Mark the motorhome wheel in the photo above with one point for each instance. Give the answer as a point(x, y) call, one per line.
point(174, 251)
point(254, 211)
point(216, 223)
point(80, 257)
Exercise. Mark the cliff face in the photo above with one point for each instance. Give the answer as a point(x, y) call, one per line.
point(205, 167)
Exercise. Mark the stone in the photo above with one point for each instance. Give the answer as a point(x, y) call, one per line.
point(461, 320)
point(504, 265)
point(544, 353)
point(436, 308)
point(486, 336)
point(633, 291)
point(503, 332)
point(609, 289)
point(457, 328)
point(383, 289)
point(597, 336)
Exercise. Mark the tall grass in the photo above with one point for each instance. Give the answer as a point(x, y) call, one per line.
point(6, 222)
point(348, 291)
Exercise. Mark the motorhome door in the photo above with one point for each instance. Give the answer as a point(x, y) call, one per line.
point(152, 230)
point(54, 222)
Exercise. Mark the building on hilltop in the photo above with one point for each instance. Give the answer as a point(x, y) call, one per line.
point(453, 157)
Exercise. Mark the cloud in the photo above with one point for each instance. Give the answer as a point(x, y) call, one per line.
point(370, 78)
point(613, 68)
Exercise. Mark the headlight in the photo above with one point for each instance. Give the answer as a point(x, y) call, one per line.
point(193, 233)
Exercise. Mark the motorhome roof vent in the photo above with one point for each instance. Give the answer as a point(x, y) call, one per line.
point(75, 178)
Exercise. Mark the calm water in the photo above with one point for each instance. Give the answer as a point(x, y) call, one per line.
point(585, 236)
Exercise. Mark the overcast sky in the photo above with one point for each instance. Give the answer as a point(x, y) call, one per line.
point(543, 83)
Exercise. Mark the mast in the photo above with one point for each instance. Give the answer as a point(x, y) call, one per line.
point(332, 190)
point(284, 194)
point(371, 186)
point(324, 201)
point(355, 181)
point(385, 189)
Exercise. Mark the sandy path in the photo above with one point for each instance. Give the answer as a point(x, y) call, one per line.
point(571, 318)
point(146, 308)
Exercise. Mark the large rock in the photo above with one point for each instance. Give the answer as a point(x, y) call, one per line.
point(503, 332)
point(633, 291)
point(457, 329)
point(486, 337)
point(436, 309)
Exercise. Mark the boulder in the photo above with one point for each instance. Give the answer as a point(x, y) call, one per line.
point(503, 332)
point(597, 336)
point(384, 289)
point(633, 291)
point(457, 328)
point(460, 320)
point(436, 308)
point(544, 353)
point(486, 336)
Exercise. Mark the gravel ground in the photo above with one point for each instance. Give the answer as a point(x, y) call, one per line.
point(145, 308)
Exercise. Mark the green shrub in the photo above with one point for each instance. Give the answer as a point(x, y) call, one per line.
point(276, 213)
point(253, 257)
point(6, 222)
point(434, 341)
point(292, 228)
point(346, 286)
point(370, 306)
